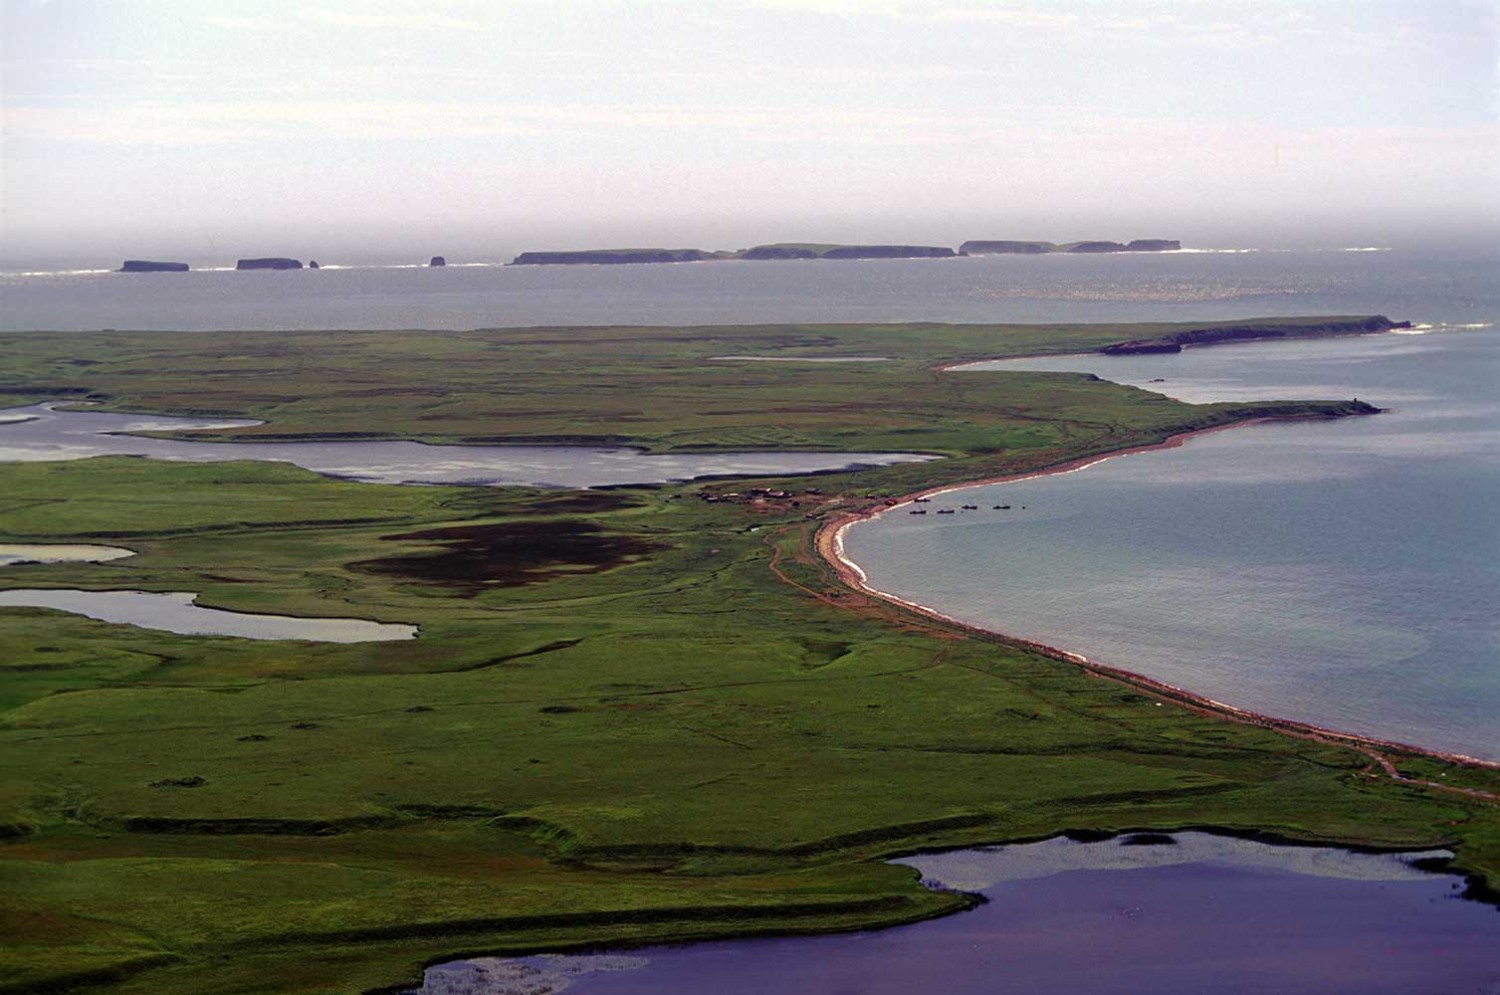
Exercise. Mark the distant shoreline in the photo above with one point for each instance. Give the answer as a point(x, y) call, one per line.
point(828, 250)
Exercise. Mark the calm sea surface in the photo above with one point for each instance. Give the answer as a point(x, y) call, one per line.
point(1343, 573)
point(1135, 287)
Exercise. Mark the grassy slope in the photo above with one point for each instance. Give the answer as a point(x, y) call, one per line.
point(681, 746)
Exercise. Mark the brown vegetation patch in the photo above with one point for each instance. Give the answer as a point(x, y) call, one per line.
point(475, 558)
point(579, 502)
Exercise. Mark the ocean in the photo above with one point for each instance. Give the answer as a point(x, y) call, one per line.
point(1341, 573)
point(1179, 286)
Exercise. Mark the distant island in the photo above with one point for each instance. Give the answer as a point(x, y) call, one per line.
point(1041, 248)
point(826, 250)
point(271, 262)
point(586, 257)
point(810, 250)
point(151, 266)
point(769, 251)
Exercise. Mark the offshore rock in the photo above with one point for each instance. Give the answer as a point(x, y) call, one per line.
point(437, 261)
point(313, 264)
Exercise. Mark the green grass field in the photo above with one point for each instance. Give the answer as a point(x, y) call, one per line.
point(630, 715)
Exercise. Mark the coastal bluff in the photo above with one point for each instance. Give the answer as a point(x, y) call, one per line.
point(151, 266)
point(1291, 329)
point(269, 262)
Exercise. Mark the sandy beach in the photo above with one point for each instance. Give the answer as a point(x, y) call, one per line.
point(829, 543)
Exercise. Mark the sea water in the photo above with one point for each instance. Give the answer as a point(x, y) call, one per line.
point(1186, 286)
point(1343, 573)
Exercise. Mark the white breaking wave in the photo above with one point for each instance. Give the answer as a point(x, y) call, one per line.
point(1424, 328)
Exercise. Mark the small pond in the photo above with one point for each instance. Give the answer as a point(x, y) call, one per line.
point(1144, 915)
point(16, 553)
point(41, 432)
point(175, 612)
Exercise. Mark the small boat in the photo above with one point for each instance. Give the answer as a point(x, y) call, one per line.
point(946, 511)
point(917, 511)
point(970, 507)
point(920, 500)
point(1002, 507)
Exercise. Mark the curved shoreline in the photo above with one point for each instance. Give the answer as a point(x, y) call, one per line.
point(828, 542)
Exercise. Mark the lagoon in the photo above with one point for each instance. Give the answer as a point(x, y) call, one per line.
point(44, 432)
point(17, 554)
point(175, 611)
point(1164, 915)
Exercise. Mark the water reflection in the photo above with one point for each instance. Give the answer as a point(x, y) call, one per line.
point(40, 432)
point(175, 612)
point(16, 553)
point(1165, 915)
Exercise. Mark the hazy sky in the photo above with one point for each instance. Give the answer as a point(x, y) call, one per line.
point(208, 130)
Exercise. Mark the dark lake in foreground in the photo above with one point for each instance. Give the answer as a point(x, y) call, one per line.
point(1206, 914)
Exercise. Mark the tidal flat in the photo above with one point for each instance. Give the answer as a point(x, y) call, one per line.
point(46, 432)
point(675, 723)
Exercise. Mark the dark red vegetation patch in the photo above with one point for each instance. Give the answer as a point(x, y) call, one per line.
point(476, 558)
point(576, 502)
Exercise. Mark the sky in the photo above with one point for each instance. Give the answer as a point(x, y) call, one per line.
point(206, 130)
